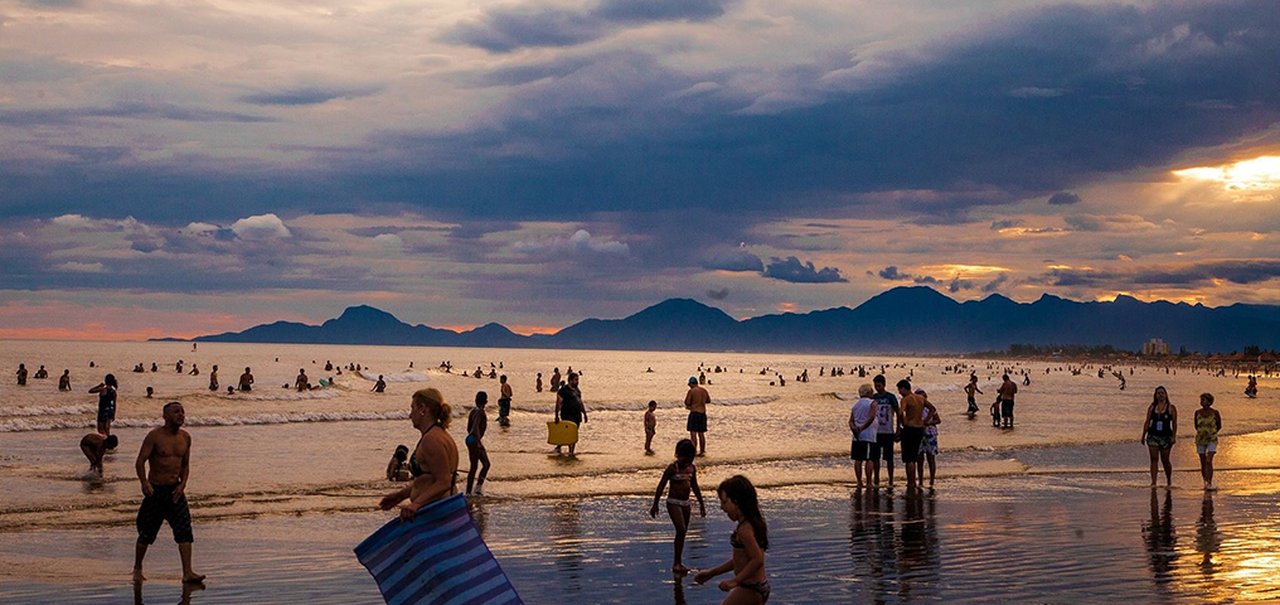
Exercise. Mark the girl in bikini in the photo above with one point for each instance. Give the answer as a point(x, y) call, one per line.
point(749, 584)
point(683, 477)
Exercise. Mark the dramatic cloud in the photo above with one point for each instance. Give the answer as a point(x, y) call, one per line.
point(733, 260)
point(512, 27)
point(1064, 198)
point(792, 270)
point(996, 283)
point(1234, 271)
point(720, 294)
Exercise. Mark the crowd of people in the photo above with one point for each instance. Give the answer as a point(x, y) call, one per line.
point(880, 422)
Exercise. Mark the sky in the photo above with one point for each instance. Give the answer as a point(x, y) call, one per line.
point(183, 168)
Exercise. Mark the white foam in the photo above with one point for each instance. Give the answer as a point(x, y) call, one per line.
point(41, 410)
point(25, 425)
point(405, 376)
point(594, 406)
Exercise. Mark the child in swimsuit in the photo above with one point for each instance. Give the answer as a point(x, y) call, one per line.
point(398, 466)
point(683, 477)
point(749, 584)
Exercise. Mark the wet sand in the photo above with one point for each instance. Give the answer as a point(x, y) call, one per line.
point(1051, 537)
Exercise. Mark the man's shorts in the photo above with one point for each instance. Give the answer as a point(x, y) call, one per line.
point(911, 438)
point(697, 422)
point(1006, 409)
point(884, 441)
point(1207, 448)
point(863, 451)
point(160, 507)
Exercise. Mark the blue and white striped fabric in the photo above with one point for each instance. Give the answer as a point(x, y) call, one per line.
point(438, 558)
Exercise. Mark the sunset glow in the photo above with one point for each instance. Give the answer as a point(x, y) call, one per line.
point(1258, 174)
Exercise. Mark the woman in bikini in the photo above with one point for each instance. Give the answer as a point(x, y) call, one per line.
point(434, 463)
point(683, 477)
point(477, 424)
point(749, 584)
point(1160, 432)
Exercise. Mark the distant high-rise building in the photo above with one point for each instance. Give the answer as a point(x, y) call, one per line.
point(1155, 347)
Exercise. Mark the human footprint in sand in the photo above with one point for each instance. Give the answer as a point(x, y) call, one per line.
point(683, 478)
point(168, 450)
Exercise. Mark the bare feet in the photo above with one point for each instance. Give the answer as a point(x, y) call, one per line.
point(138, 578)
point(193, 579)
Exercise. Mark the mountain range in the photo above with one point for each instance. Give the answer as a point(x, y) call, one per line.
point(914, 319)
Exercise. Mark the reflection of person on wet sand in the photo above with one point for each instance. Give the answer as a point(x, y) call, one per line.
point(167, 450)
point(95, 446)
point(1161, 541)
point(1208, 538)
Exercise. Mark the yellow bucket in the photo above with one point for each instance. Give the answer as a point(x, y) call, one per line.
point(562, 433)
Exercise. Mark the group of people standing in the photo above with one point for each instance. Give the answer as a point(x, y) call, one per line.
point(1160, 433)
point(878, 421)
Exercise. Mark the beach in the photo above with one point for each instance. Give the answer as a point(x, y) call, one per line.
point(284, 484)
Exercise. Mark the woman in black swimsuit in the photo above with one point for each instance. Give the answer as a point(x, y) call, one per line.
point(749, 584)
point(434, 463)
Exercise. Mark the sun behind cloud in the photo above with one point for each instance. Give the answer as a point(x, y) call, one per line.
point(1254, 175)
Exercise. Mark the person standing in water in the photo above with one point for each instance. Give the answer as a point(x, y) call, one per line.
point(888, 419)
point(213, 378)
point(1008, 389)
point(246, 381)
point(969, 391)
point(1160, 432)
point(106, 392)
point(64, 381)
point(569, 407)
point(167, 450)
point(477, 424)
point(504, 401)
point(650, 426)
point(862, 423)
point(1208, 424)
point(22, 374)
point(696, 400)
point(683, 478)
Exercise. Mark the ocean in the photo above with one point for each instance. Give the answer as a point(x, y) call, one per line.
point(306, 469)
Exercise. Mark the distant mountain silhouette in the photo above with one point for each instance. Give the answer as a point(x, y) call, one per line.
point(913, 319)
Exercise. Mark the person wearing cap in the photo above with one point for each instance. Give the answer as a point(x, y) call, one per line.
point(696, 401)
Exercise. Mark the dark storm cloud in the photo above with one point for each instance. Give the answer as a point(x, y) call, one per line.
point(996, 283)
point(512, 27)
point(618, 133)
point(733, 260)
point(791, 269)
point(891, 273)
point(1064, 198)
point(1006, 223)
point(307, 95)
point(1234, 271)
point(720, 294)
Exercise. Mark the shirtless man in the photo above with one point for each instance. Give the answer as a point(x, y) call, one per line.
point(1008, 389)
point(168, 450)
point(95, 446)
point(504, 401)
point(301, 383)
point(246, 381)
point(912, 419)
point(64, 381)
point(696, 401)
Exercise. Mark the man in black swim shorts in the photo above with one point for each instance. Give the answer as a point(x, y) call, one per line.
point(168, 451)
